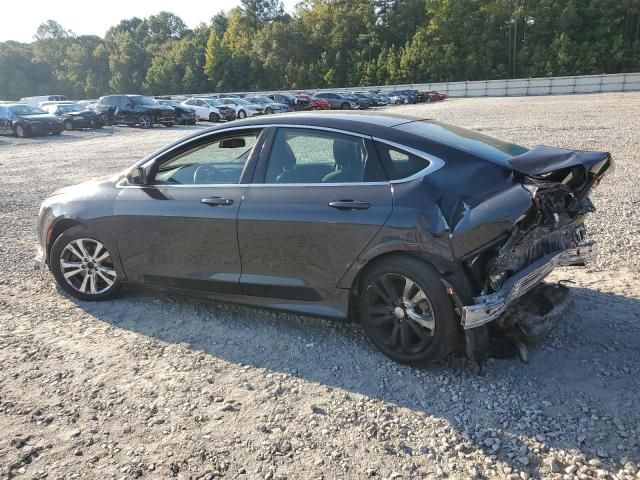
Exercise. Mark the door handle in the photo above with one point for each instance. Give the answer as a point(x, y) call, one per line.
point(217, 201)
point(350, 205)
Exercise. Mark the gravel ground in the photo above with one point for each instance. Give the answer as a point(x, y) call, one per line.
point(156, 386)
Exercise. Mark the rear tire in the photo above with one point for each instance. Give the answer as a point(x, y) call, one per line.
point(345, 106)
point(268, 111)
point(214, 117)
point(84, 266)
point(68, 125)
point(405, 311)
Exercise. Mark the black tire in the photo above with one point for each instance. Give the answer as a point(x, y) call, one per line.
point(242, 114)
point(214, 117)
point(68, 125)
point(145, 122)
point(345, 106)
point(21, 132)
point(59, 250)
point(56, 132)
point(168, 124)
point(268, 110)
point(388, 322)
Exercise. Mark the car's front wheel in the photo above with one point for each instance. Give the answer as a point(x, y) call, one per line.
point(242, 114)
point(21, 132)
point(268, 110)
point(214, 117)
point(83, 266)
point(145, 121)
point(406, 312)
point(68, 125)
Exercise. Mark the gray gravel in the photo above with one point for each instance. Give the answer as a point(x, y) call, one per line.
point(156, 386)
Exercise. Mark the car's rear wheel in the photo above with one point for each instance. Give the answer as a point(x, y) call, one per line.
point(68, 125)
point(406, 312)
point(83, 266)
point(145, 121)
point(346, 106)
point(268, 110)
point(214, 117)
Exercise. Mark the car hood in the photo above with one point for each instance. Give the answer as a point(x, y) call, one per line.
point(40, 118)
point(83, 113)
point(93, 185)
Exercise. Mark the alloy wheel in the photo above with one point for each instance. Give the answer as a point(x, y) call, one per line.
point(20, 131)
point(68, 125)
point(400, 313)
point(145, 121)
point(87, 267)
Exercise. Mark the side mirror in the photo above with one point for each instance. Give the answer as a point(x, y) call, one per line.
point(137, 176)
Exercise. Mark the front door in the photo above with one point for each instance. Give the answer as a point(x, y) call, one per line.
point(321, 201)
point(180, 230)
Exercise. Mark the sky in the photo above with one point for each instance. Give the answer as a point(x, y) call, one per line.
point(20, 19)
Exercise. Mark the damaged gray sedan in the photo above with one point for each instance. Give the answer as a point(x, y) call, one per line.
point(429, 235)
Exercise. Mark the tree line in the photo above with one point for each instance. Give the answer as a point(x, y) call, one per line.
point(329, 43)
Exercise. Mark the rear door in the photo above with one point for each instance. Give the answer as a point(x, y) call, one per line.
point(318, 198)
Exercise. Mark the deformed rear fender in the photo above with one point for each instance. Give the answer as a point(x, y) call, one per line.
point(480, 225)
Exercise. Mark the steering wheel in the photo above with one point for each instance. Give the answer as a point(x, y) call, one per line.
point(206, 173)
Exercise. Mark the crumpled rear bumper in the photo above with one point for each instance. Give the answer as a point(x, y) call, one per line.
point(489, 307)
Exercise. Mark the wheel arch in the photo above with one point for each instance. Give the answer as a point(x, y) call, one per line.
point(57, 229)
point(452, 275)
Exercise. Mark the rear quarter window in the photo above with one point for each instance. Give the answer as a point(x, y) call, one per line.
point(399, 164)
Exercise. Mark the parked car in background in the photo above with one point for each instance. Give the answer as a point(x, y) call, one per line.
point(410, 95)
point(365, 98)
point(362, 102)
point(315, 103)
point(36, 101)
point(210, 109)
point(337, 100)
point(243, 107)
point(184, 115)
point(395, 97)
point(376, 100)
point(296, 104)
point(73, 115)
point(434, 96)
point(268, 104)
point(134, 110)
point(24, 120)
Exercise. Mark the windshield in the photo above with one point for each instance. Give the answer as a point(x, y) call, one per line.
point(213, 102)
point(264, 99)
point(70, 108)
point(171, 103)
point(141, 100)
point(241, 101)
point(26, 110)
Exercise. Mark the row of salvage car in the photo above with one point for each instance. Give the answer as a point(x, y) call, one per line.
point(53, 114)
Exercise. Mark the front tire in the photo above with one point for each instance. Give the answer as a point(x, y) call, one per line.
point(168, 124)
point(346, 106)
point(242, 114)
point(145, 122)
point(21, 132)
point(68, 125)
point(214, 117)
point(406, 313)
point(83, 266)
